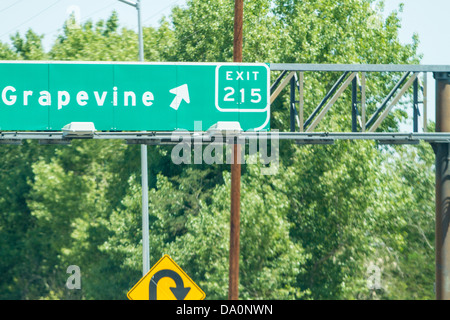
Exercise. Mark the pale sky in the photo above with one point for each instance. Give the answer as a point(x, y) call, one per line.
point(47, 16)
point(427, 18)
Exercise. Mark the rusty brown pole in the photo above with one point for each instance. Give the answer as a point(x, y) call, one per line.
point(233, 284)
point(442, 188)
point(238, 25)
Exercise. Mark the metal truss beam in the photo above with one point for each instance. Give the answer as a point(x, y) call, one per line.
point(359, 67)
point(293, 73)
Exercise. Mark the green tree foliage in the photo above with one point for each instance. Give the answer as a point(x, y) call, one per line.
point(410, 262)
point(29, 48)
point(105, 42)
point(99, 42)
point(6, 53)
point(22, 245)
point(270, 260)
point(308, 232)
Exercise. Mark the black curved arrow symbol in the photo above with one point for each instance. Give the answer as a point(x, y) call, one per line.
point(180, 292)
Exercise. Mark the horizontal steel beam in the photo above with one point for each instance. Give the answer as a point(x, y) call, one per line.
point(359, 67)
point(206, 137)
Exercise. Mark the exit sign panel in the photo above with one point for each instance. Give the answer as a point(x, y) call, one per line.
point(133, 96)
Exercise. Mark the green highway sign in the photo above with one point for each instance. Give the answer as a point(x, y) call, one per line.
point(133, 96)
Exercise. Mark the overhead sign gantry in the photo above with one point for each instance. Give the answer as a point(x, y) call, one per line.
point(148, 103)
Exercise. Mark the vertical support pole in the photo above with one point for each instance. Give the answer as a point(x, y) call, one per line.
point(416, 105)
point(301, 100)
point(363, 101)
point(233, 276)
point(233, 289)
point(425, 102)
point(140, 32)
point(144, 166)
point(292, 105)
point(354, 104)
point(442, 188)
point(145, 222)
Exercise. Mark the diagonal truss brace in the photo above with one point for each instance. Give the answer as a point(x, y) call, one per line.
point(283, 84)
point(393, 103)
point(331, 102)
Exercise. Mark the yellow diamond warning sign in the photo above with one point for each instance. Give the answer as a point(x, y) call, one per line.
point(166, 281)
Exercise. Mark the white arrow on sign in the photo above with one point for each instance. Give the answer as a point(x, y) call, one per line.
point(181, 93)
